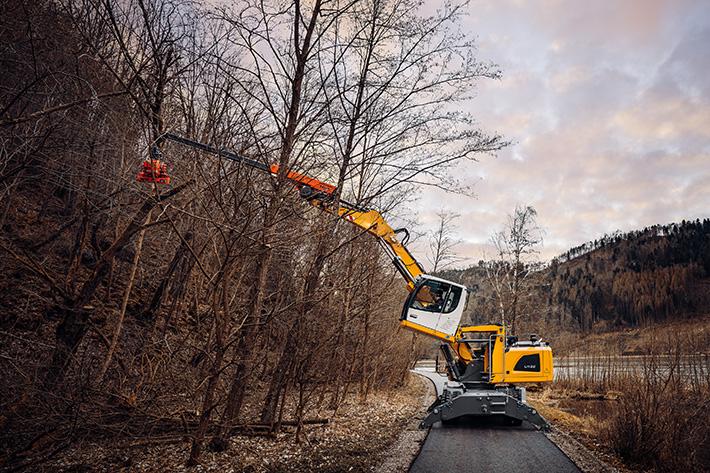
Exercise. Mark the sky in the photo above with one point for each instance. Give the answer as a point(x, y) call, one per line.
point(607, 105)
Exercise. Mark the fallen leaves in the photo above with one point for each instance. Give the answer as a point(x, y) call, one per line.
point(354, 440)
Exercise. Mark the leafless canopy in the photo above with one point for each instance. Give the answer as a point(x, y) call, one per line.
point(220, 300)
point(517, 246)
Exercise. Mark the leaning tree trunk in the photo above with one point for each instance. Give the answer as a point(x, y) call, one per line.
point(124, 304)
point(245, 347)
point(149, 312)
point(76, 313)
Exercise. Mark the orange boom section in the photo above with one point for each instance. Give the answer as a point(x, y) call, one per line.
point(302, 179)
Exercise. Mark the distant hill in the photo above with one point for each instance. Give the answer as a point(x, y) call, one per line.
point(657, 274)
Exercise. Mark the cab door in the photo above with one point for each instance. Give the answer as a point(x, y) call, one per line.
point(435, 306)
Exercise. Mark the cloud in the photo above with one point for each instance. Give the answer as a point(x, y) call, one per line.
point(608, 105)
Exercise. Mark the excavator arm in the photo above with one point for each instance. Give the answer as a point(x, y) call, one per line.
point(482, 360)
point(319, 194)
point(374, 223)
point(434, 307)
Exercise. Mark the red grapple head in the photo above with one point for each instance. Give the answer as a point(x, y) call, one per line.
point(154, 170)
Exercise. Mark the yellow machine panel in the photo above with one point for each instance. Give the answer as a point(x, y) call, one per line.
point(503, 359)
point(531, 364)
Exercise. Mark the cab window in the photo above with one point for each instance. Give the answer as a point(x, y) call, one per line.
point(435, 296)
point(428, 298)
point(452, 299)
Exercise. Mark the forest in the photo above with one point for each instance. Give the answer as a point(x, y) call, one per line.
point(640, 278)
point(220, 300)
point(653, 275)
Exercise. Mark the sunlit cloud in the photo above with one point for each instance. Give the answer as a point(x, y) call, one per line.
point(608, 107)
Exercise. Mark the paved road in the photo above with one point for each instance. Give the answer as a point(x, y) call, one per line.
point(484, 445)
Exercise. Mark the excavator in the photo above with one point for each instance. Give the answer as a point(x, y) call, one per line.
point(484, 364)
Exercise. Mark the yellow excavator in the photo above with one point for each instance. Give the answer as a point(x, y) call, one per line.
point(483, 363)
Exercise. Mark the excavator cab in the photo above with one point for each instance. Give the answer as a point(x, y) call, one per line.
point(435, 307)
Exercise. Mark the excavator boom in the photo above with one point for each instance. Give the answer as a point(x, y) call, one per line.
point(435, 306)
point(319, 194)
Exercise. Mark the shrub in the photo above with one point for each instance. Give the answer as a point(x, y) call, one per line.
point(661, 420)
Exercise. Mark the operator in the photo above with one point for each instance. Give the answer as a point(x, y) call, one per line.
point(429, 299)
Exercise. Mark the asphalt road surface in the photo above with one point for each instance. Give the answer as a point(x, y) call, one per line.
point(484, 445)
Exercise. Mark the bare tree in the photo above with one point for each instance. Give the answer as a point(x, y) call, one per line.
point(517, 246)
point(443, 243)
point(394, 82)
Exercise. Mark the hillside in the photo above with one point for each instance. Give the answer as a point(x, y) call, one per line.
point(218, 305)
point(653, 275)
point(658, 274)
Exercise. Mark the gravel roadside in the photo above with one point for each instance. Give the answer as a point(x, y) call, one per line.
point(404, 450)
point(585, 459)
point(566, 431)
